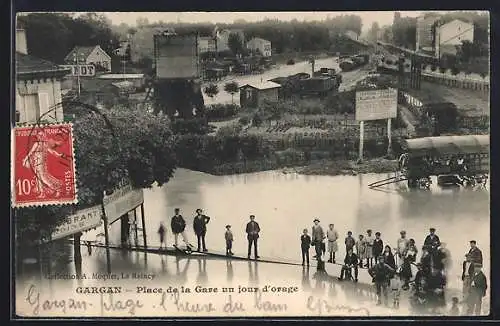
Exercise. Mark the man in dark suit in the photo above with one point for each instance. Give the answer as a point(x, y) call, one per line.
point(432, 241)
point(381, 273)
point(200, 228)
point(350, 262)
point(475, 254)
point(477, 291)
point(252, 231)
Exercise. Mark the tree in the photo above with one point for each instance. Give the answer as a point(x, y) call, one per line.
point(68, 31)
point(140, 146)
point(211, 90)
point(374, 32)
point(467, 51)
point(235, 43)
point(232, 88)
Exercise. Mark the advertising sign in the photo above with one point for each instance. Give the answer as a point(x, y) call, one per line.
point(81, 70)
point(122, 201)
point(82, 220)
point(176, 56)
point(376, 104)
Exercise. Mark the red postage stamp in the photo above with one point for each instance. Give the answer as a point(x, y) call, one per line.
point(44, 166)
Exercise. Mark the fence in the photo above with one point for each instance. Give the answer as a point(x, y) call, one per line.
point(457, 82)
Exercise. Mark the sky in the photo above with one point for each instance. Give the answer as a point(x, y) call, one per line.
point(368, 17)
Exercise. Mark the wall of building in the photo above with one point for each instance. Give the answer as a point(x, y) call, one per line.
point(424, 32)
point(268, 95)
point(448, 36)
point(262, 45)
point(206, 44)
point(36, 97)
point(100, 57)
point(455, 32)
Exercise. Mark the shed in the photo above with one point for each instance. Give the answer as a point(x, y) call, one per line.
point(139, 80)
point(254, 94)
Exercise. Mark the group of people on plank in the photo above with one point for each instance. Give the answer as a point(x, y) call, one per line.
point(200, 221)
point(393, 272)
point(389, 271)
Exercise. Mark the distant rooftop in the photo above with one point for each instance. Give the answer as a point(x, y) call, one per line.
point(27, 64)
point(263, 85)
point(121, 76)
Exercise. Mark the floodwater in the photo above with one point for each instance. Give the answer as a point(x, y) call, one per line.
point(285, 204)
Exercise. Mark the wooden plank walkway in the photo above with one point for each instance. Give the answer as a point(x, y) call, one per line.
point(332, 269)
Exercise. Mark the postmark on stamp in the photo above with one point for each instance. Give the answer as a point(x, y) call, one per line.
point(44, 166)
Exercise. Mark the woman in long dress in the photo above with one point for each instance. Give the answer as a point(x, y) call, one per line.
point(37, 159)
point(361, 249)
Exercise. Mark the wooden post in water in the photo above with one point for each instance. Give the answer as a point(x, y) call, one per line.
point(136, 236)
point(106, 238)
point(361, 139)
point(143, 220)
point(389, 138)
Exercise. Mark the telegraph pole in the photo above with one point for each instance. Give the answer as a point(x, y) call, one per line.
point(77, 63)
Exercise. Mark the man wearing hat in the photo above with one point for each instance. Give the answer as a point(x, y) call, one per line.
point(252, 231)
point(369, 248)
point(317, 237)
point(378, 246)
point(432, 241)
point(402, 247)
point(381, 273)
point(477, 291)
point(475, 254)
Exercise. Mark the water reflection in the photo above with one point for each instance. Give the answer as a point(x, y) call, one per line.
point(229, 271)
point(253, 272)
point(202, 278)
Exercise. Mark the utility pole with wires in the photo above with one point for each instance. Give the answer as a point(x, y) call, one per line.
point(78, 58)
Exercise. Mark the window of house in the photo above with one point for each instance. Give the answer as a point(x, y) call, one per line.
point(249, 93)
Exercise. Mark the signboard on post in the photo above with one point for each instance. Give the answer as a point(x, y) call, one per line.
point(82, 220)
point(81, 70)
point(376, 104)
point(122, 201)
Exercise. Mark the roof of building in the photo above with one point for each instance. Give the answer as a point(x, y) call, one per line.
point(123, 84)
point(27, 64)
point(259, 39)
point(84, 51)
point(121, 76)
point(263, 85)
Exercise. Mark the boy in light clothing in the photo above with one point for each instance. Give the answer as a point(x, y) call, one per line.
point(395, 285)
point(229, 240)
point(332, 237)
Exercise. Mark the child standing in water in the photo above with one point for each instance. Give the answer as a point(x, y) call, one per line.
point(305, 245)
point(161, 232)
point(229, 240)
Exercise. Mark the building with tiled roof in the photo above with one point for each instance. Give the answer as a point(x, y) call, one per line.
point(38, 86)
point(89, 55)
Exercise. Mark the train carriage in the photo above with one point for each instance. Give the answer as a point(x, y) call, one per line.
point(462, 159)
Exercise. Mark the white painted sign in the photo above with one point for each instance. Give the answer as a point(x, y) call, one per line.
point(81, 70)
point(82, 220)
point(376, 104)
point(122, 201)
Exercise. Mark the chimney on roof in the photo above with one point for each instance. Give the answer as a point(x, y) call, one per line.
point(21, 45)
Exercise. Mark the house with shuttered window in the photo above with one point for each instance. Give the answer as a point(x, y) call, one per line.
point(38, 85)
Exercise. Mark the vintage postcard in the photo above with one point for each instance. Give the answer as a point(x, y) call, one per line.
point(270, 164)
